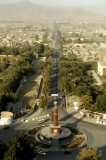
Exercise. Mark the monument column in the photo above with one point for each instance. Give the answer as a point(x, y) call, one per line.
point(55, 128)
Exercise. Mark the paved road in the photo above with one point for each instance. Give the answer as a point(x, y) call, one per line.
point(59, 155)
point(96, 134)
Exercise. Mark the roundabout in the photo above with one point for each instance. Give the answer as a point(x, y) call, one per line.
point(57, 135)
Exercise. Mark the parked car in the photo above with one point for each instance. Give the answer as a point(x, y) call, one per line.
point(45, 150)
point(67, 152)
point(41, 121)
point(83, 146)
point(42, 153)
point(6, 127)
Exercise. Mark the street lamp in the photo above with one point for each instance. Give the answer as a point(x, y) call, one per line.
point(55, 103)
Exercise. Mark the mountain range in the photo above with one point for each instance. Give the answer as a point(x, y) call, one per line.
point(27, 11)
point(98, 9)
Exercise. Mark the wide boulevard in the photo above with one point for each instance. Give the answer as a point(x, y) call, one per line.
point(96, 134)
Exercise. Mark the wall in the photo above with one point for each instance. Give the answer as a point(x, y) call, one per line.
point(104, 71)
point(100, 69)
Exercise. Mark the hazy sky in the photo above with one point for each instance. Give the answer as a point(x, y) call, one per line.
point(65, 3)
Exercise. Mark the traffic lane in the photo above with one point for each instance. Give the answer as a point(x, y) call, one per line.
point(56, 155)
point(15, 128)
point(96, 133)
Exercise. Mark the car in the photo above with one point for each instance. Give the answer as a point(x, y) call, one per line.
point(41, 121)
point(83, 146)
point(67, 152)
point(42, 153)
point(6, 127)
point(45, 150)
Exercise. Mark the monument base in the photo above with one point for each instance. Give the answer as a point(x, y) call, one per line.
point(55, 129)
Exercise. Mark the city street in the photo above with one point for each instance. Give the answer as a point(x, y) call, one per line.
point(96, 134)
point(59, 155)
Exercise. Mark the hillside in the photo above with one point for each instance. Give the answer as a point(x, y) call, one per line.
point(98, 9)
point(27, 11)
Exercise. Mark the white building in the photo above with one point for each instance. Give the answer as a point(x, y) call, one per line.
point(102, 68)
point(6, 118)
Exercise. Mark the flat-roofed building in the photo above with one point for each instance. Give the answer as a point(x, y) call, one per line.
point(102, 68)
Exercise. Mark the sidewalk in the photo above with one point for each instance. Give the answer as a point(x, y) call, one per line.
point(77, 115)
point(30, 116)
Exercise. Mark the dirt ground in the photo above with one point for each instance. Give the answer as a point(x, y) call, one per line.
point(70, 100)
point(29, 90)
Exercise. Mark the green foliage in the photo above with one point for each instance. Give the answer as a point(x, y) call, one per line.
point(46, 80)
point(43, 102)
point(38, 48)
point(34, 130)
point(88, 154)
point(66, 84)
point(22, 66)
point(3, 149)
point(4, 64)
point(19, 148)
point(72, 57)
point(41, 65)
point(75, 143)
point(45, 36)
point(9, 50)
point(87, 100)
point(101, 103)
point(74, 77)
point(12, 76)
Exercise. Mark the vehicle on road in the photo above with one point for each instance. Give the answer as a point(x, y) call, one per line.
point(42, 153)
point(67, 152)
point(41, 121)
point(45, 150)
point(83, 146)
point(6, 127)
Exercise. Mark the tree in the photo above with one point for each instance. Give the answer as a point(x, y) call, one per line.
point(19, 148)
point(63, 72)
point(101, 103)
point(88, 154)
point(43, 102)
point(45, 37)
point(45, 90)
point(3, 149)
point(87, 100)
point(41, 65)
point(13, 148)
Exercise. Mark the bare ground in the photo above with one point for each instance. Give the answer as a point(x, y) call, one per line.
point(29, 89)
point(71, 98)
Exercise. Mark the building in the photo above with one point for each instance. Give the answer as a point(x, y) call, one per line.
point(102, 68)
point(6, 118)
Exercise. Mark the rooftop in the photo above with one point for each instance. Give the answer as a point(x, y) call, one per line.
point(102, 63)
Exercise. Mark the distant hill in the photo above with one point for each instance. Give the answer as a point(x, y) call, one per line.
point(98, 9)
point(27, 11)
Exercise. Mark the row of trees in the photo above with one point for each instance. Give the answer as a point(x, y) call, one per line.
point(12, 76)
point(4, 63)
point(74, 77)
point(46, 84)
point(20, 67)
point(39, 48)
point(17, 148)
point(73, 73)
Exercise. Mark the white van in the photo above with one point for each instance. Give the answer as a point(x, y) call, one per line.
point(40, 121)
